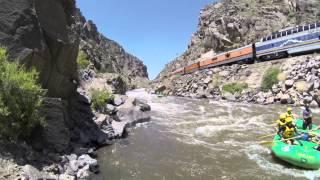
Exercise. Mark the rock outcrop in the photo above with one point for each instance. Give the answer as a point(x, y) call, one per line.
point(47, 35)
point(39, 33)
point(230, 24)
point(107, 55)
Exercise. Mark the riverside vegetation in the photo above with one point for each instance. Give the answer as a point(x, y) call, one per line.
point(20, 99)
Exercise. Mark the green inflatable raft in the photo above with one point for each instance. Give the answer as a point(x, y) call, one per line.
point(301, 155)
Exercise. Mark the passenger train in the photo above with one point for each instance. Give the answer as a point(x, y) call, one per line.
point(280, 44)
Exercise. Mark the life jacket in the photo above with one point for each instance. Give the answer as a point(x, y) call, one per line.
point(288, 132)
point(281, 123)
point(289, 115)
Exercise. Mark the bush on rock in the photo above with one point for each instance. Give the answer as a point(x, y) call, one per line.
point(270, 78)
point(20, 99)
point(234, 87)
point(99, 98)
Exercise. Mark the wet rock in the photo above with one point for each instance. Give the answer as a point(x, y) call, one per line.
point(142, 105)
point(119, 128)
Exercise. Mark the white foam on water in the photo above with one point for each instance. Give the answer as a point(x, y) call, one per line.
point(202, 109)
point(259, 153)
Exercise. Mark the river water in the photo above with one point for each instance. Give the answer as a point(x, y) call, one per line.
point(191, 139)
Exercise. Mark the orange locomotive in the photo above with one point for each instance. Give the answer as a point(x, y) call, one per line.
point(243, 54)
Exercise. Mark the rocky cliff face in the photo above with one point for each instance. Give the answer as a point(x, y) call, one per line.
point(47, 34)
point(229, 24)
point(106, 55)
point(39, 33)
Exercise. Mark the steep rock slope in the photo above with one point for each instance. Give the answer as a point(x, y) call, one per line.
point(39, 33)
point(229, 24)
point(107, 55)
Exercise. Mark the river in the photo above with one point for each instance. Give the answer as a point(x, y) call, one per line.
point(192, 139)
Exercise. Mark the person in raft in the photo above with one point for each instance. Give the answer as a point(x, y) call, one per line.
point(288, 132)
point(307, 117)
point(281, 123)
point(289, 113)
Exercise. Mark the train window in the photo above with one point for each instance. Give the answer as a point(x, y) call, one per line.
point(306, 28)
point(283, 33)
point(264, 39)
point(269, 38)
point(273, 36)
point(300, 29)
point(289, 32)
point(312, 26)
point(295, 31)
point(278, 34)
point(318, 24)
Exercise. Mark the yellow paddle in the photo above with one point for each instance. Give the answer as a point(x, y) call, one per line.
point(269, 135)
point(271, 142)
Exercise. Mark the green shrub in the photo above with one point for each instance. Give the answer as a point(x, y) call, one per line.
point(100, 98)
point(20, 99)
point(83, 60)
point(216, 81)
point(234, 87)
point(270, 78)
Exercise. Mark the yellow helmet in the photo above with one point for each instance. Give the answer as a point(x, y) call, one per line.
point(289, 109)
point(282, 116)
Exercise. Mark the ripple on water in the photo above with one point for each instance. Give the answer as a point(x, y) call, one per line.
point(201, 139)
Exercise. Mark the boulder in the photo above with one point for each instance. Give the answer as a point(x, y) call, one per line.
point(66, 177)
point(314, 104)
point(285, 99)
point(118, 85)
point(224, 73)
point(160, 89)
point(102, 119)
point(84, 173)
point(119, 128)
point(289, 83)
point(30, 172)
point(207, 80)
point(142, 105)
point(228, 96)
point(110, 109)
point(307, 99)
point(118, 100)
point(85, 159)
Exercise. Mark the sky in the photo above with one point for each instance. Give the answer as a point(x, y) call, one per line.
point(155, 31)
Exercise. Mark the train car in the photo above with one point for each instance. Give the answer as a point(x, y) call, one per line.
point(178, 71)
point(298, 40)
point(243, 54)
point(191, 68)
